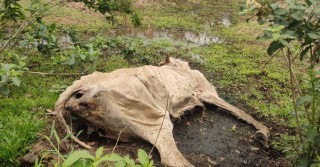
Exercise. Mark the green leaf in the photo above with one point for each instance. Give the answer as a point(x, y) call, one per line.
point(313, 35)
point(298, 14)
point(115, 157)
point(112, 157)
point(303, 53)
point(53, 38)
point(69, 135)
point(52, 128)
point(7, 67)
point(4, 90)
point(3, 79)
point(280, 12)
point(315, 165)
point(263, 38)
point(143, 157)
point(99, 152)
point(16, 81)
point(288, 34)
point(315, 3)
point(317, 11)
point(83, 56)
point(79, 133)
point(75, 156)
point(260, 20)
point(304, 99)
point(295, 24)
point(274, 6)
point(151, 163)
point(80, 163)
point(276, 36)
point(56, 136)
point(129, 161)
point(274, 46)
point(286, 43)
point(121, 163)
point(275, 29)
point(311, 134)
point(302, 161)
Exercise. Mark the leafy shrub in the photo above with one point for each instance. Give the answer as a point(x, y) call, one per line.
point(136, 19)
point(10, 72)
point(295, 31)
point(24, 28)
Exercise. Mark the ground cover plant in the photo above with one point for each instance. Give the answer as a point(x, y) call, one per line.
point(84, 158)
point(49, 54)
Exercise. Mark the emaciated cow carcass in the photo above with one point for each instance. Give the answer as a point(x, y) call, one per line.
point(134, 101)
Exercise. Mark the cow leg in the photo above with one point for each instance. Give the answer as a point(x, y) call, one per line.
point(211, 98)
point(169, 153)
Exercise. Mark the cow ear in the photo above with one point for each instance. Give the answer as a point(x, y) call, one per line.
point(165, 61)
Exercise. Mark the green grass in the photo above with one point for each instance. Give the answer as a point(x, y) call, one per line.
point(22, 113)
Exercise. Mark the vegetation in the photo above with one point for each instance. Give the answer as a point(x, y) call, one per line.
point(62, 43)
point(82, 158)
point(294, 30)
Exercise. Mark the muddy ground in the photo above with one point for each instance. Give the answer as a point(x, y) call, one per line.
point(211, 137)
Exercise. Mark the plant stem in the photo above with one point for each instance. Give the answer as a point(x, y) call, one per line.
point(270, 59)
point(293, 92)
point(165, 113)
point(297, 83)
point(54, 147)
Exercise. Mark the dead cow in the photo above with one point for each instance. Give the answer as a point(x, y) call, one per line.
point(140, 101)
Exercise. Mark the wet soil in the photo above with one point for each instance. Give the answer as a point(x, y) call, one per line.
point(217, 138)
point(211, 137)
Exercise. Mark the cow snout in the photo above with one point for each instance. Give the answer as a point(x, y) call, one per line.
point(79, 101)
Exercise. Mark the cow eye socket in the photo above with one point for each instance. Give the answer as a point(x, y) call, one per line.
point(78, 95)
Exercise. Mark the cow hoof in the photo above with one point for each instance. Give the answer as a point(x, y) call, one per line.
point(263, 137)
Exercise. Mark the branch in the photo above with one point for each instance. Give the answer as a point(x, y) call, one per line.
point(63, 122)
point(315, 49)
point(270, 59)
point(294, 76)
point(61, 5)
point(21, 28)
point(165, 113)
point(293, 91)
point(44, 73)
point(114, 148)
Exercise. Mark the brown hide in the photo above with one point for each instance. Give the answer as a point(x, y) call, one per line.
point(134, 101)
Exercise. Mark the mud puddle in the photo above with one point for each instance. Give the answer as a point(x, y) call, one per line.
point(217, 138)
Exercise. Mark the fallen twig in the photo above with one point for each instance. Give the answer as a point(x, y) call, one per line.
point(114, 148)
point(165, 113)
point(44, 73)
point(63, 122)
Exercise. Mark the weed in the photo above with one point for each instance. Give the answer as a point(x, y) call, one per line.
point(84, 158)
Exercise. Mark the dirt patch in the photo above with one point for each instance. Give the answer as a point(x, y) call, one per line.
point(204, 137)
